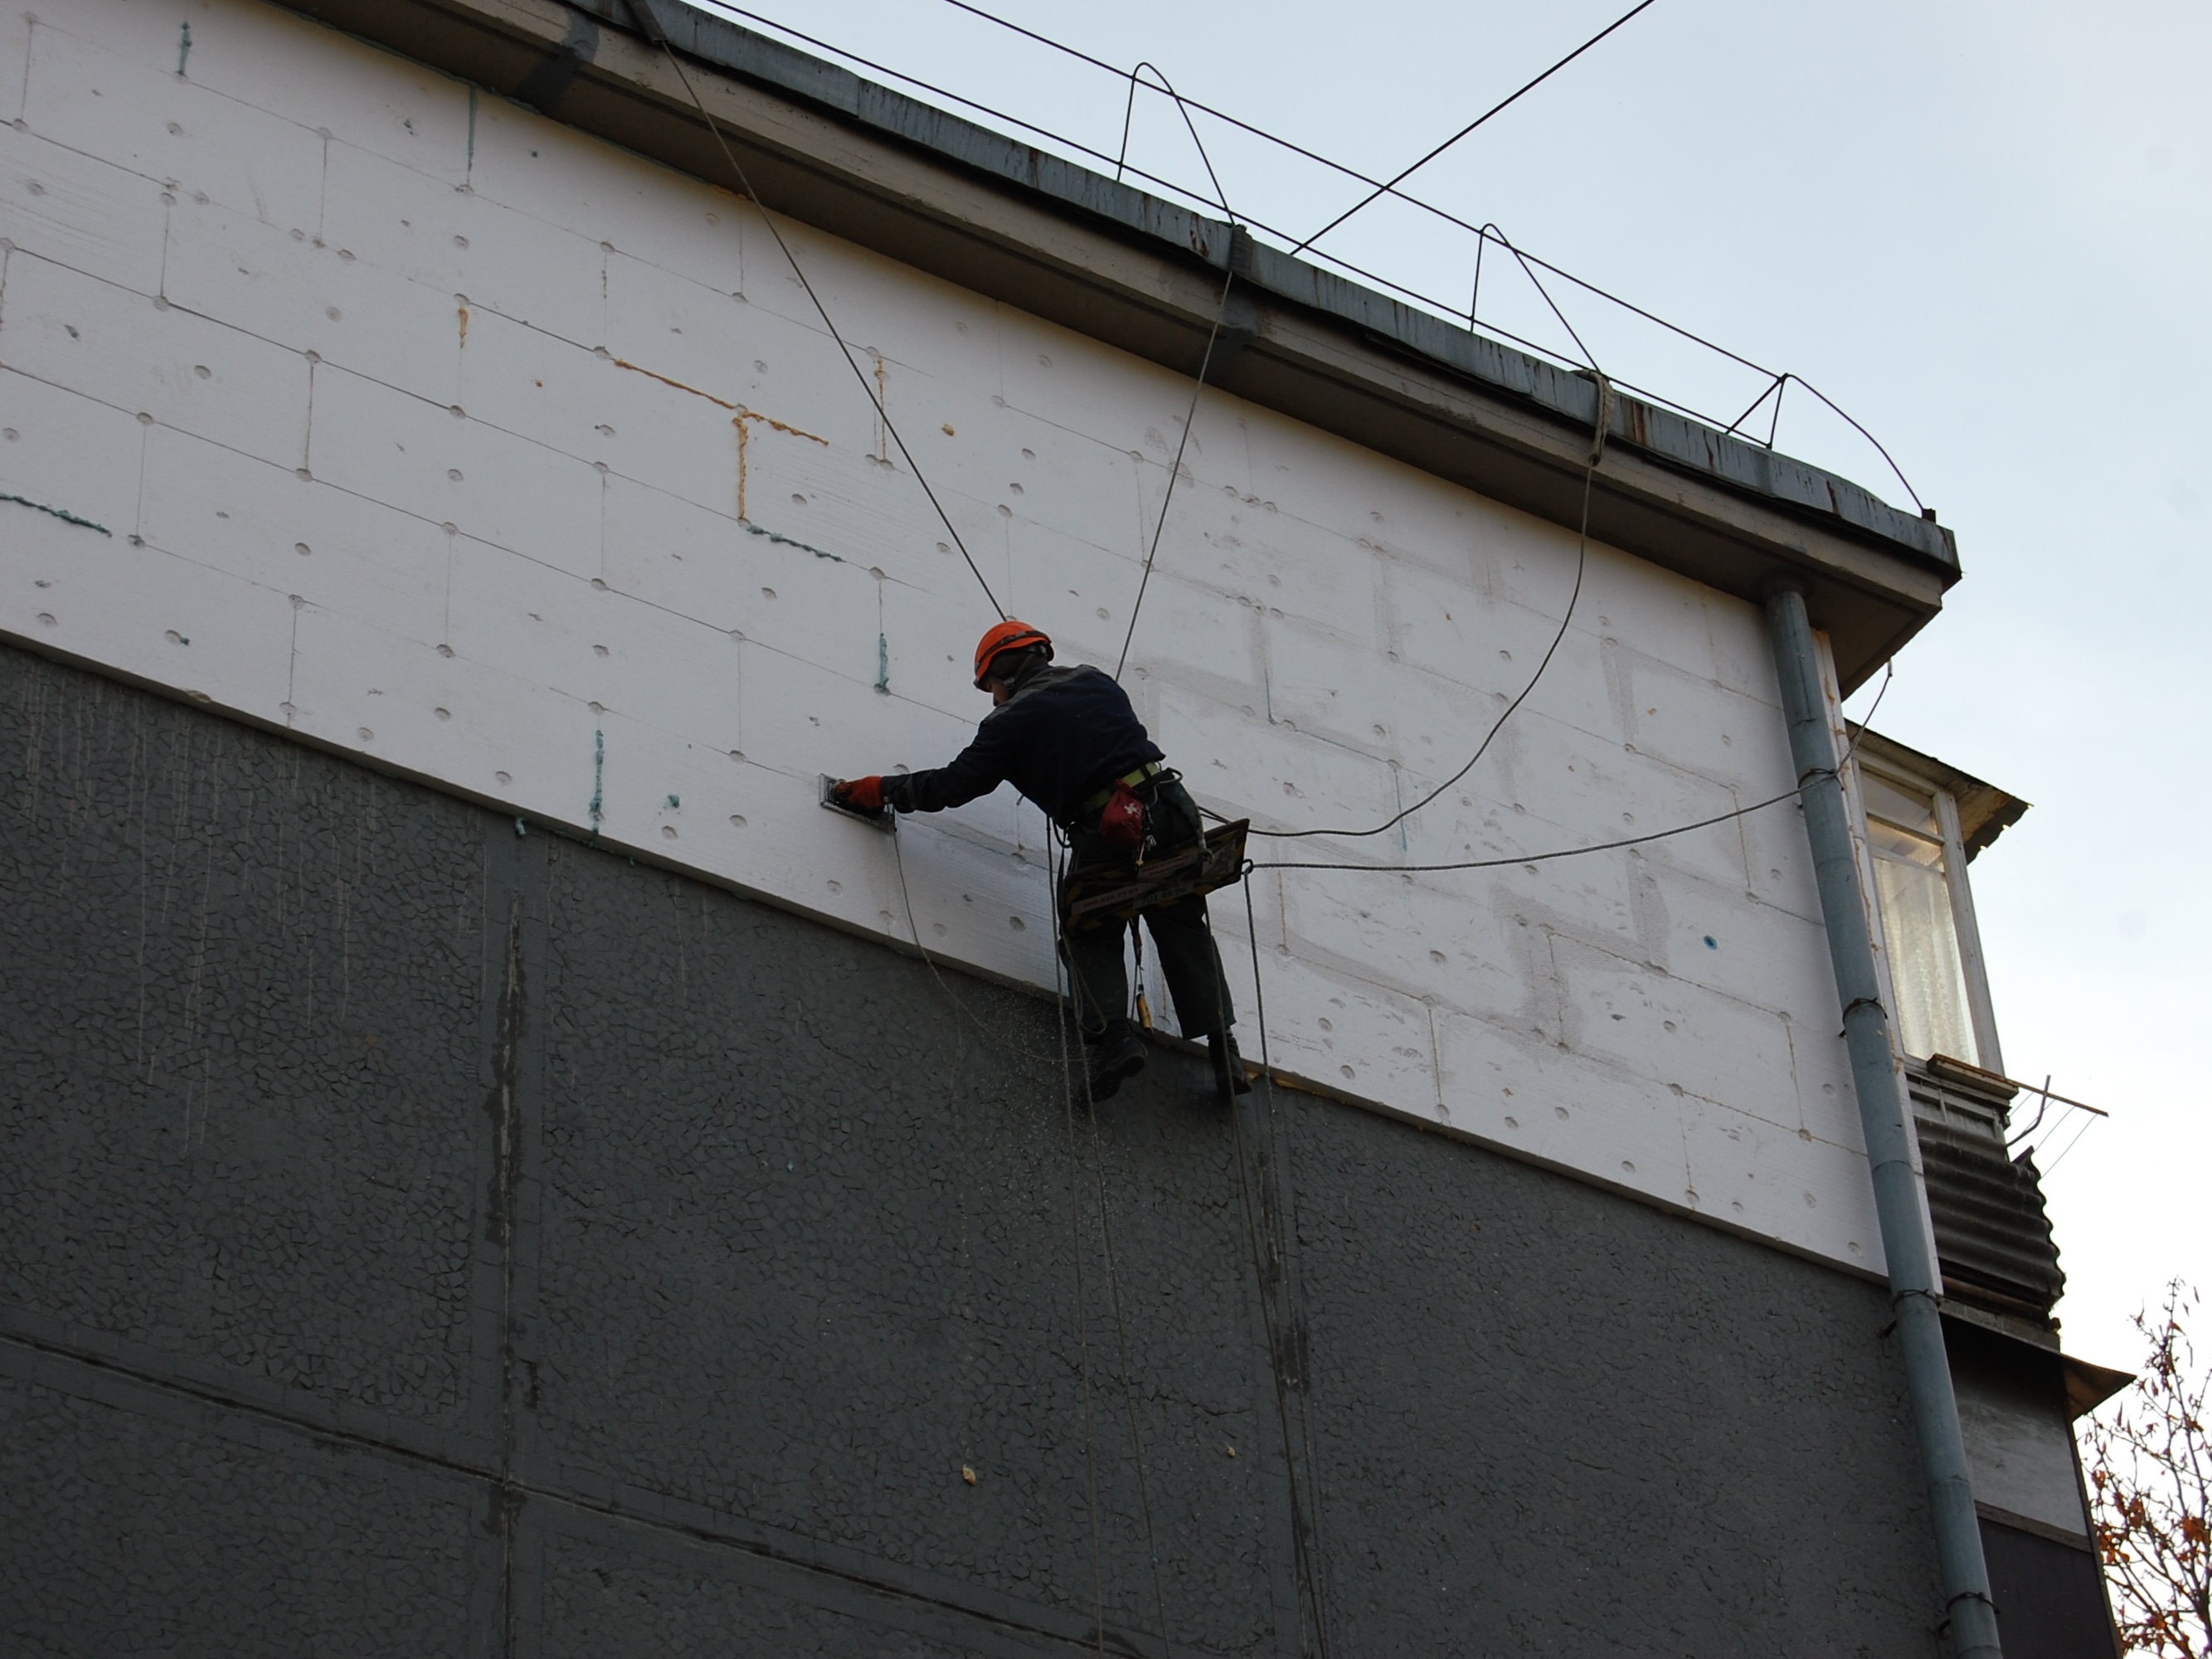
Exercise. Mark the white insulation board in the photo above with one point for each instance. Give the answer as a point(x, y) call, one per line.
point(343, 397)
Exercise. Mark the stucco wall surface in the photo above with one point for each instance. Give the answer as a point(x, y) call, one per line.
point(369, 407)
point(426, 1238)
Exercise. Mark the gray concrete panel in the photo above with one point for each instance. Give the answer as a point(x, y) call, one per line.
point(1548, 1422)
point(616, 1586)
point(807, 1251)
point(648, 1282)
point(243, 1102)
point(134, 1523)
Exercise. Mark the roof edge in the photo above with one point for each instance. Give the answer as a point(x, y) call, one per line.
point(1985, 810)
point(1035, 231)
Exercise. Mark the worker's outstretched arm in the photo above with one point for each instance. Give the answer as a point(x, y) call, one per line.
point(976, 771)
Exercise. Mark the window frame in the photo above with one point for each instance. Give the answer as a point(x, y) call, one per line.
point(1897, 773)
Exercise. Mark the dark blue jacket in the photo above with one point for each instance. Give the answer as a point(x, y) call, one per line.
point(1064, 735)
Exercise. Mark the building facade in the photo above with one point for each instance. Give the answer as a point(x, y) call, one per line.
point(495, 1163)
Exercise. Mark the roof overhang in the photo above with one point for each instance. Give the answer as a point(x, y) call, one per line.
point(1985, 811)
point(1032, 230)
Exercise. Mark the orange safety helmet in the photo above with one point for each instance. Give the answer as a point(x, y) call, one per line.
point(1007, 635)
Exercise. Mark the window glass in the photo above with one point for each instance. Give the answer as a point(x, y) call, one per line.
point(1890, 841)
point(1908, 810)
point(1912, 887)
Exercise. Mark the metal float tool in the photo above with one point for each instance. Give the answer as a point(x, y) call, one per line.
point(882, 818)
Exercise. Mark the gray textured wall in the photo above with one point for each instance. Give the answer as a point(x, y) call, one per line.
point(422, 1238)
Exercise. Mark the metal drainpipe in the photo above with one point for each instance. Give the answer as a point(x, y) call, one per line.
point(1880, 1085)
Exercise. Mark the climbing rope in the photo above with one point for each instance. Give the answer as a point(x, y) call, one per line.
point(1305, 1505)
point(642, 10)
point(1064, 998)
point(1082, 1311)
point(906, 895)
point(1106, 1238)
point(1205, 362)
point(1174, 470)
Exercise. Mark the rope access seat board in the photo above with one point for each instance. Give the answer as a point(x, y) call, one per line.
point(1106, 896)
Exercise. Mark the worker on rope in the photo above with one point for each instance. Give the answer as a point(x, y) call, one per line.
point(1069, 741)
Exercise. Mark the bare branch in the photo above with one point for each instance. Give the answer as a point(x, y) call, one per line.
point(2149, 1461)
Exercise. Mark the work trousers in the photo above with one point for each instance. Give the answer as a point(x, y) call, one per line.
point(1179, 930)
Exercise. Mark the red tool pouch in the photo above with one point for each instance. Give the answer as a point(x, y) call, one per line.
point(1123, 822)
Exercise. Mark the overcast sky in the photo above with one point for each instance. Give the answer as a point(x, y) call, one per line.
point(1981, 229)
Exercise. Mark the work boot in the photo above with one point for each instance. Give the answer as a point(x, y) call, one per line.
point(1229, 1078)
point(1117, 1056)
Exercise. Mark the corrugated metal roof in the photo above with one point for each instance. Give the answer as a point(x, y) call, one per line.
point(1992, 1232)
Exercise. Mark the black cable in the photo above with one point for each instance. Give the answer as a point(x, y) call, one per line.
point(1122, 165)
point(950, 96)
point(1888, 671)
point(1581, 565)
point(1129, 112)
point(1174, 472)
point(1075, 1227)
point(642, 9)
point(1305, 1507)
point(1867, 435)
point(1381, 282)
point(1128, 1383)
point(1535, 282)
point(1185, 105)
point(1112, 1273)
point(906, 895)
point(1502, 104)
point(1537, 858)
point(1081, 993)
point(1205, 362)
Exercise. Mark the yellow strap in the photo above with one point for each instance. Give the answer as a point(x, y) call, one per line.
point(1127, 781)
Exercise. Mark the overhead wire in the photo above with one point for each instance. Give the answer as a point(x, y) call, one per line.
point(1382, 187)
point(1528, 270)
point(650, 21)
point(1503, 103)
point(1388, 187)
point(1186, 104)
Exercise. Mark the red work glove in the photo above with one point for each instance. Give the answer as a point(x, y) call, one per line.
point(866, 793)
